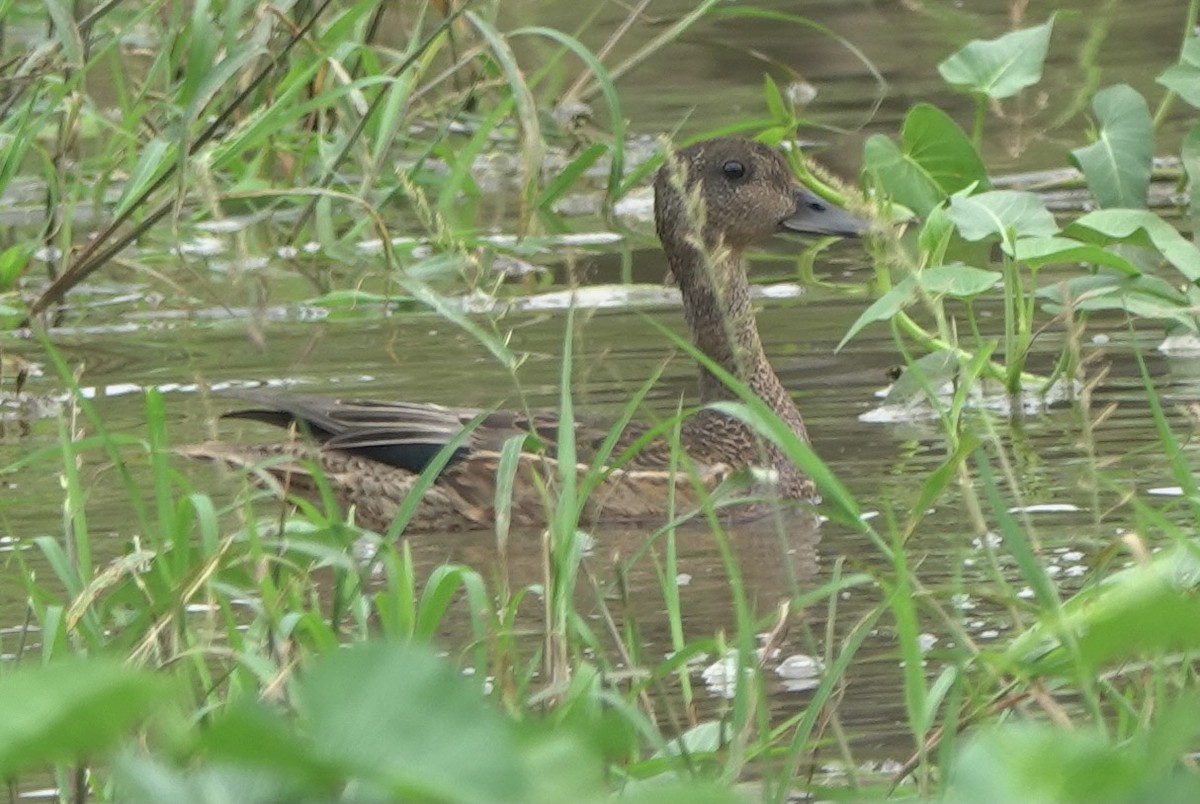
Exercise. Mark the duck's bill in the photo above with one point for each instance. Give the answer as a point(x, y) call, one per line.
point(815, 215)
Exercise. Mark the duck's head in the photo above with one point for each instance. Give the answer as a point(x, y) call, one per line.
point(737, 192)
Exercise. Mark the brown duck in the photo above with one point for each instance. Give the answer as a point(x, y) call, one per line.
point(711, 201)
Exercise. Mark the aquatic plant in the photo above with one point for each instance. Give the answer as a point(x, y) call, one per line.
point(937, 173)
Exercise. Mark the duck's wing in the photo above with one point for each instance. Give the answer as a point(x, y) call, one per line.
point(407, 435)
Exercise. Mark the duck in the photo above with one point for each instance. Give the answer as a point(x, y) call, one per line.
point(712, 200)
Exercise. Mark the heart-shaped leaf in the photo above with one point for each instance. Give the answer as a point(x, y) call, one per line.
point(1117, 165)
point(1001, 67)
point(899, 177)
point(935, 159)
point(1007, 214)
point(936, 143)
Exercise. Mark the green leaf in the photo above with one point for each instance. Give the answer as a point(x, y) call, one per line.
point(250, 735)
point(903, 603)
point(1038, 251)
point(937, 693)
point(1081, 288)
point(707, 737)
point(519, 94)
point(453, 312)
point(18, 131)
point(350, 298)
point(936, 232)
point(66, 30)
point(398, 715)
point(1018, 542)
point(1190, 155)
point(777, 109)
point(156, 156)
point(138, 777)
point(1024, 761)
point(936, 159)
point(941, 478)
point(443, 587)
point(1184, 78)
point(1006, 214)
point(1140, 227)
point(883, 308)
point(1001, 67)
point(958, 280)
point(937, 145)
point(608, 90)
point(69, 709)
point(1144, 296)
point(901, 179)
point(1117, 165)
point(203, 43)
point(13, 261)
point(566, 178)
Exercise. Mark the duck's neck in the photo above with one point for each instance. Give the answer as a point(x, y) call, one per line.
point(720, 317)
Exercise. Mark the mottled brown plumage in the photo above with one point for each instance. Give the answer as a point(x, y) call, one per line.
point(712, 200)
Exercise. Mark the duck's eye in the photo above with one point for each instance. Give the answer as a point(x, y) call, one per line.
point(733, 169)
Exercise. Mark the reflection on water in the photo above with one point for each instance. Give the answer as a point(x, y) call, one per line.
point(774, 562)
point(225, 321)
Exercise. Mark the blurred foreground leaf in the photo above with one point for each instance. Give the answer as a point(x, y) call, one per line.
point(1143, 611)
point(69, 709)
point(1036, 762)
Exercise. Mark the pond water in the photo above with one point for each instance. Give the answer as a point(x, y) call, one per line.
point(188, 324)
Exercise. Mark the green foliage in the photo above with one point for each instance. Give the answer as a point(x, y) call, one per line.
point(1144, 228)
point(1117, 164)
point(417, 729)
point(378, 719)
point(270, 680)
point(1036, 762)
point(233, 115)
point(1120, 284)
point(69, 709)
point(938, 173)
point(1000, 68)
point(1144, 611)
point(1004, 215)
point(935, 160)
point(1190, 155)
point(13, 261)
point(1184, 78)
point(1124, 643)
point(955, 280)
